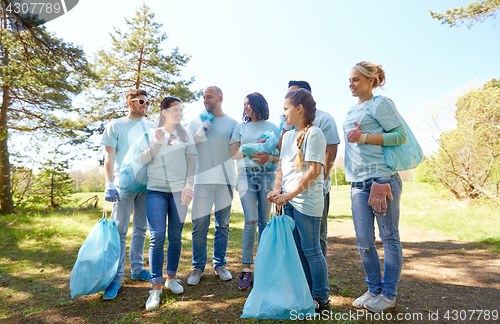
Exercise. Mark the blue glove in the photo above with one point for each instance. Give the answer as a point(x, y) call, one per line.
point(111, 195)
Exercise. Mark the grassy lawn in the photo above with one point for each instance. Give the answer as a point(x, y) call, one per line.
point(39, 248)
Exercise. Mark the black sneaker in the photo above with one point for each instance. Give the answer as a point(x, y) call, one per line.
point(319, 306)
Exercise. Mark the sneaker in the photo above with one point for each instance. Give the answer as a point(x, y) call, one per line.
point(174, 286)
point(360, 301)
point(319, 306)
point(143, 275)
point(195, 277)
point(111, 291)
point(246, 278)
point(153, 300)
point(223, 273)
point(380, 304)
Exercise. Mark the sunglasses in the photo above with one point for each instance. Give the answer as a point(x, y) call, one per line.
point(171, 139)
point(142, 102)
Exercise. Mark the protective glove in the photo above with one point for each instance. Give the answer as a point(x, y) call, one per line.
point(261, 157)
point(356, 135)
point(205, 127)
point(378, 194)
point(187, 196)
point(159, 135)
point(111, 194)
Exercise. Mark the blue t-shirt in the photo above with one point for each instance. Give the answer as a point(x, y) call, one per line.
point(213, 161)
point(309, 201)
point(121, 133)
point(366, 161)
point(249, 133)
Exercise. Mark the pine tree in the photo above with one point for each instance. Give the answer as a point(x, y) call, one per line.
point(39, 74)
point(136, 61)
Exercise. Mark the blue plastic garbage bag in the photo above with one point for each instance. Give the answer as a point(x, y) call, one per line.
point(280, 288)
point(97, 262)
point(269, 147)
point(406, 156)
point(133, 175)
point(206, 115)
point(282, 123)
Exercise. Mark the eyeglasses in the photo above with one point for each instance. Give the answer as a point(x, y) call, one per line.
point(142, 102)
point(171, 139)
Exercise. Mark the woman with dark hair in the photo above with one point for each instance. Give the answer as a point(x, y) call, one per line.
point(170, 155)
point(255, 177)
point(299, 187)
point(376, 190)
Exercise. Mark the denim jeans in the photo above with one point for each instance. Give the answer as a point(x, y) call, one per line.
point(306, 235)
point(221, 197)
point(253, 186)
point(323, 234)
point(121, 215)
point(163, 207)
point(364, 224)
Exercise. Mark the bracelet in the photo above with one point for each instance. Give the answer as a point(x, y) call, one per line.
point(270, 158)
point(362, 138)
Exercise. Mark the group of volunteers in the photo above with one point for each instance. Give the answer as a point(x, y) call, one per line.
point(197, 164)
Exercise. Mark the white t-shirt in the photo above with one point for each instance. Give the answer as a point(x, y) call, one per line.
point(213, 162)
point(309, 201)
point(167, 164)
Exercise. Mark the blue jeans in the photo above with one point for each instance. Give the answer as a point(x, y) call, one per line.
point(121, 215)
point(364, 224)
point(221, 197)
point(163, 206)
point(306, 235)
point(253, 186)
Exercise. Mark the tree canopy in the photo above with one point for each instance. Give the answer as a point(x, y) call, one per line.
point(468, 159)
point(474, 12)
point(39, 76)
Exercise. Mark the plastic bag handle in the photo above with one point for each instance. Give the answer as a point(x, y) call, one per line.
point(104, 211)
point(276, 210)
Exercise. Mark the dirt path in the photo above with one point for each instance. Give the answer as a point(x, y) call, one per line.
point(443, 281)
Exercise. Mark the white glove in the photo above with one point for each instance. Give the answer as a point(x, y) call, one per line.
point(205, 127)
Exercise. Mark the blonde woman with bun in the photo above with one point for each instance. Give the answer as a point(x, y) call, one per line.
point(372, 123)
point(299, 187)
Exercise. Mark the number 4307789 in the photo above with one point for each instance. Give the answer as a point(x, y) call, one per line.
point(471, 314)
point(33, 8)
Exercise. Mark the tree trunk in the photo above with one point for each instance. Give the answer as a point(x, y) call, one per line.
point(6, 205)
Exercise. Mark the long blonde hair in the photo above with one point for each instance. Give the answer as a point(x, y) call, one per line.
point(369, 69)
point(304, 98)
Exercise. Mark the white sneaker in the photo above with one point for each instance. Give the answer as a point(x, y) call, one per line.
point(195, 277)
point(380, 304)
point(153, 300)
point(360, 301)
point(223, 273)
point(174, 286)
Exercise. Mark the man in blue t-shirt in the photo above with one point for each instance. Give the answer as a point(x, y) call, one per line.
point(118, 136)
point(327, 124)
point(213, 185)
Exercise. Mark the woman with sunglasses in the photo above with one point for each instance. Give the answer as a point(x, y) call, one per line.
point(255, 177)
point(170, 155)
point(376, 190)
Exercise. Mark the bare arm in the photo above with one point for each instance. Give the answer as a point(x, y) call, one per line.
point(109, 162)
point(330, 155)
point(235, 152)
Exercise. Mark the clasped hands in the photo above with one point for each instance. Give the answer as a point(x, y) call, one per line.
point(278, 198)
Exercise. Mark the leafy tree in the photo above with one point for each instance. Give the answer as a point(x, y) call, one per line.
point(53, 185)
point(468, 159)
point(135, 61)
point(474, 12)
point(39, 75)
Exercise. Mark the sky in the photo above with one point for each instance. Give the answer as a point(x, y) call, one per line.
point(259, 45)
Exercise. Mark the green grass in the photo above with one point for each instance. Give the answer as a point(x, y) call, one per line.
point(38, 249)
point(427, 207)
